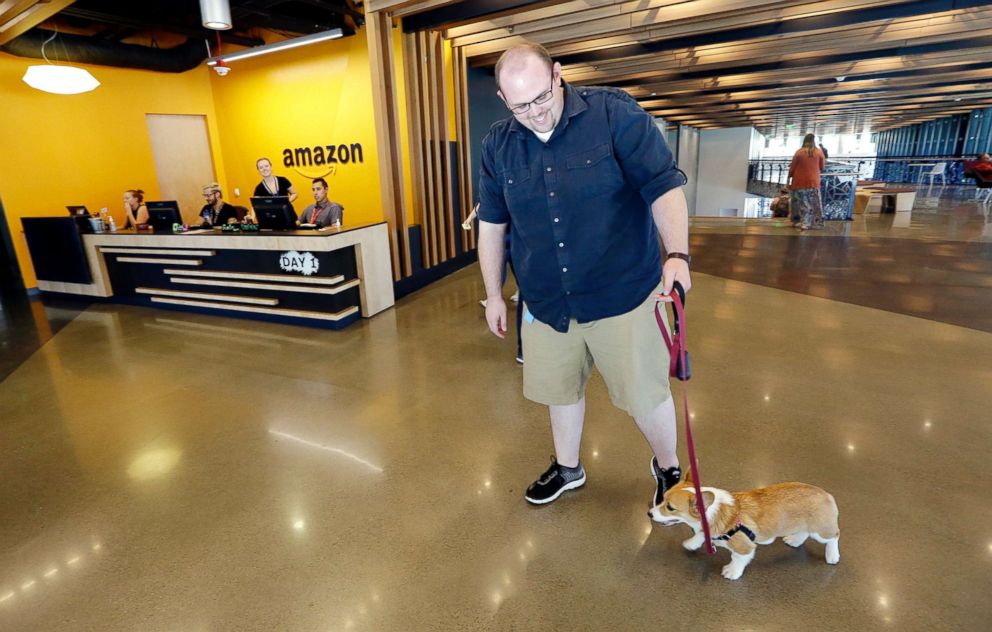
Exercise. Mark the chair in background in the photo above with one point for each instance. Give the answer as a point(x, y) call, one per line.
point(939, 169)
point(968, 171)
point(983, 190)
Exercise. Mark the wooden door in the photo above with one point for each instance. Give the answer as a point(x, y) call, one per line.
point(183, 162)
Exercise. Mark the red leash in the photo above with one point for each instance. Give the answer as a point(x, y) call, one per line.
point(679, 368)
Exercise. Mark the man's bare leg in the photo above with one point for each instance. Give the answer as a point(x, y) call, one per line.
point(659, 428)
point(566, 428)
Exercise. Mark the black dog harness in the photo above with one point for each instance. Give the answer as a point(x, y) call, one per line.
point(740, 527)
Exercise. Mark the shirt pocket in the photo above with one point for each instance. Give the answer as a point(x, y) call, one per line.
point(593, 174)
point(516, 183)
point(588, 158)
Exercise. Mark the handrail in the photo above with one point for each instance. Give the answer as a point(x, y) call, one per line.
point(886, 159)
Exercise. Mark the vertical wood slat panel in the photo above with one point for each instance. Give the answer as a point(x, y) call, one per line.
point(429, 167)
point(464, 144)
point(459, 145)
point(387, 129)
point(415, 121)
point(435, 144)
point(467, 134)
point(443, 86)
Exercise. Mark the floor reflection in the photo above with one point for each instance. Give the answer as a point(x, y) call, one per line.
point(257, 476)
point(890, 261)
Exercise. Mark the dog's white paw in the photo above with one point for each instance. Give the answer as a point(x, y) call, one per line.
point(694, 543)
point(732, 571)
point(832, 552)
point(796, 539)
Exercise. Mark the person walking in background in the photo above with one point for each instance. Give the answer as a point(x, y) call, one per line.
point(804, 184)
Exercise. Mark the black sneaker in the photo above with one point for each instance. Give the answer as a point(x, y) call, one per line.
point(667, 479)
point(552, 484)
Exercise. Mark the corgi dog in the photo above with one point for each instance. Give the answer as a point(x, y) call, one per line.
point(740, 521)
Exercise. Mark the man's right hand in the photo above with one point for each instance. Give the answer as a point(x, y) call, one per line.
point(496, 315)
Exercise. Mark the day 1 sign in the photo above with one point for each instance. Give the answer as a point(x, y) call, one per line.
point(304, 263)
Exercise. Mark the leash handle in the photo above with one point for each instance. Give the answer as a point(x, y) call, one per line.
point(680, 291)
point(680, 366)
point(679, 362)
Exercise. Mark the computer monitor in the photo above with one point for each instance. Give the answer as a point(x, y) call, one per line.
point(162, 215)
point(274, 213)
point(79, 210)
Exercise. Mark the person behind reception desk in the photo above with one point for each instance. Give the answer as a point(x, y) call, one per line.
point(135, 211)
point(216, 211)
point(273, 186)
point(322, 212)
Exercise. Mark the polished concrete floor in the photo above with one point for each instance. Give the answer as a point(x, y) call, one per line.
point(165, 471)
point(26, 324)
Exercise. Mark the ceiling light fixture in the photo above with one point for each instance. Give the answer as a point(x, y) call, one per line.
point(57, 78)
point(313, 38)
point(216, 14)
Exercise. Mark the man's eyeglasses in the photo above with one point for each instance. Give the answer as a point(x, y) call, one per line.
point(542, 98)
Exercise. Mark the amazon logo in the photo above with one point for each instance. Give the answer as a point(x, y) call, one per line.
point(321, 160)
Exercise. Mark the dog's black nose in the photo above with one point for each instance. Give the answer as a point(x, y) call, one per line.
point(649, 513)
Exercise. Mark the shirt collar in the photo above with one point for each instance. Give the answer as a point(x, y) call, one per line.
point(574, 104)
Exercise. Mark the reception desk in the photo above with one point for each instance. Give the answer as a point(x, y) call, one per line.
point(326, 278)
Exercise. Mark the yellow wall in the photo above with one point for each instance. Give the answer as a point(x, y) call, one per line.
point(304, 97)
point(449, 72)
point(86, 148)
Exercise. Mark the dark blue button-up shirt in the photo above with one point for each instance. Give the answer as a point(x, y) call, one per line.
point(579, 206)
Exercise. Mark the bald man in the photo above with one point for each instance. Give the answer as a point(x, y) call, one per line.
point(586, 182)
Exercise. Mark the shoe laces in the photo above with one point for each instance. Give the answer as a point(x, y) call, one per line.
point(551, 472)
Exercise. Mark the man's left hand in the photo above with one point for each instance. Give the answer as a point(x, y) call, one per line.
point(674, 270)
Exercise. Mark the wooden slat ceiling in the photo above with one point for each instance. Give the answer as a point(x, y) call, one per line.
point(20, 16)
point(770, 64)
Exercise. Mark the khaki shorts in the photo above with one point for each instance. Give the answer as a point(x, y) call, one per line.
point(628, 350)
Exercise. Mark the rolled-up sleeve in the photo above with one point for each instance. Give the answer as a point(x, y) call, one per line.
point(641, 150)
point(492, 205)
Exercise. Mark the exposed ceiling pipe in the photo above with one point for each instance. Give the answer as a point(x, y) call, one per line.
point(89, 50)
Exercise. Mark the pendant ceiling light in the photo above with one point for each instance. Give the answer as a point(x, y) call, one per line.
point(59, 78)
point(216, 14)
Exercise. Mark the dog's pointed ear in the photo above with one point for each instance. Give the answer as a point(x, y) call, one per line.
point(708, 498)
point(687, 477)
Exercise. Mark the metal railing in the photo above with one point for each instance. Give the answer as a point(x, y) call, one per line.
point(909, 169)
